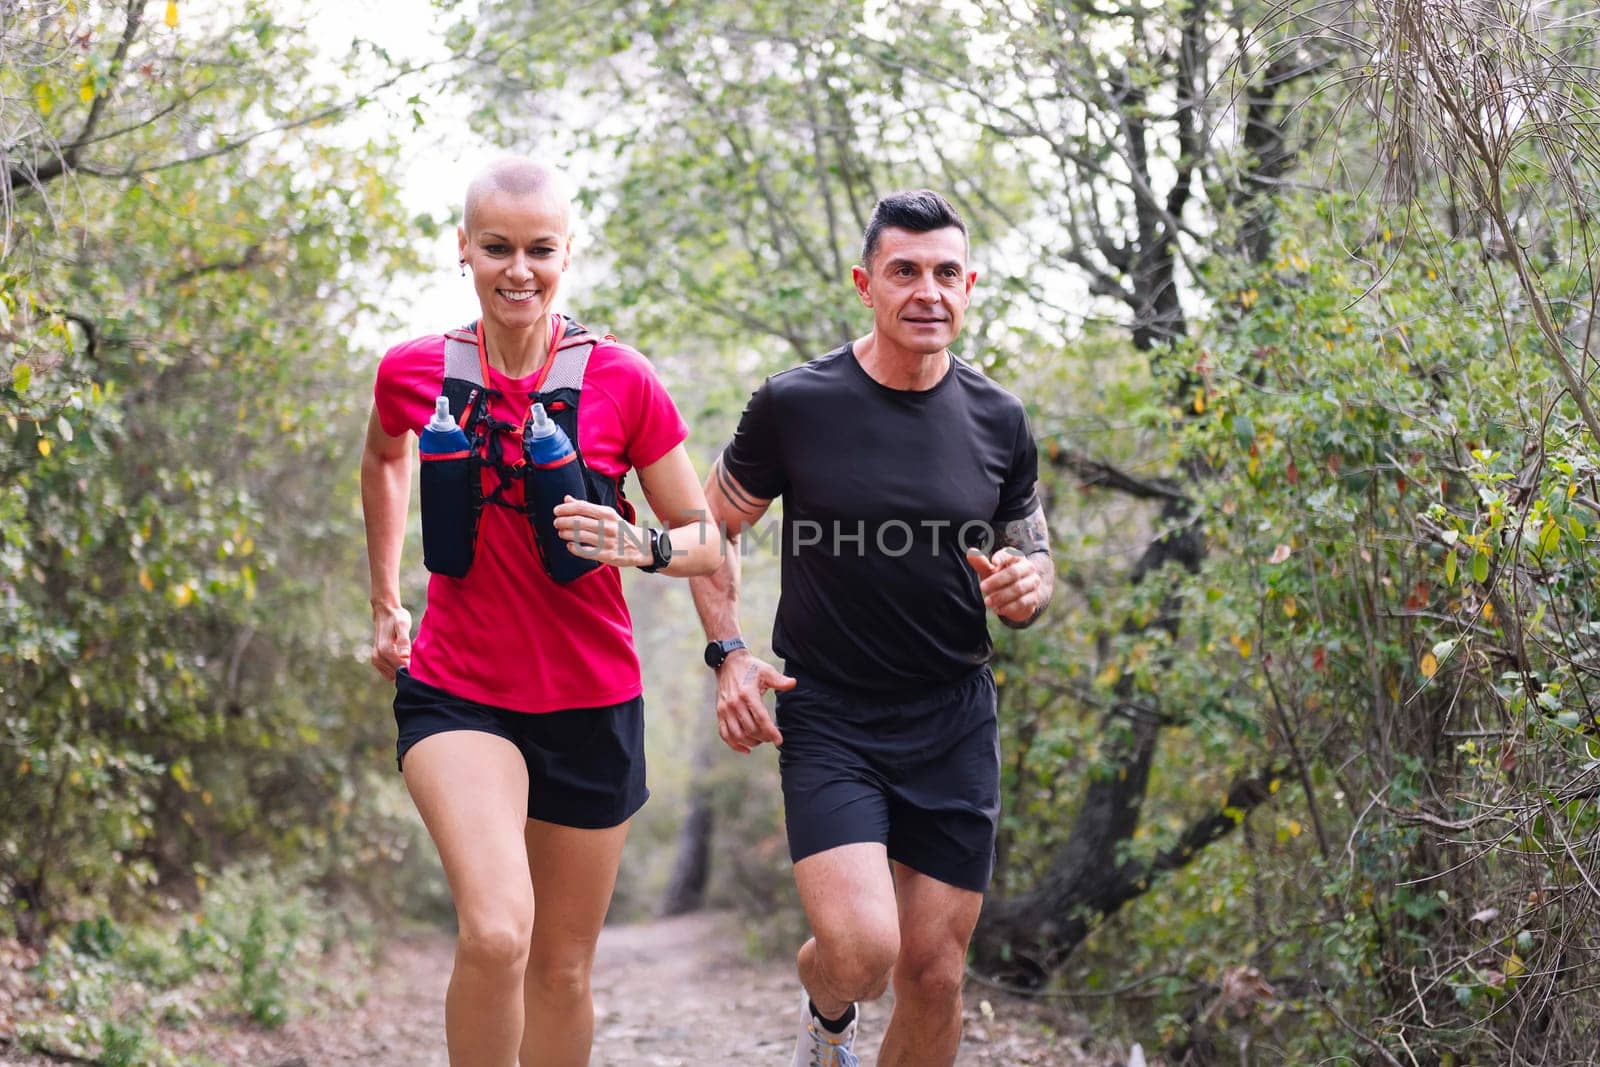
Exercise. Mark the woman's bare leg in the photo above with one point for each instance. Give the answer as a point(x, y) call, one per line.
point(472, 790)
point(574, 872)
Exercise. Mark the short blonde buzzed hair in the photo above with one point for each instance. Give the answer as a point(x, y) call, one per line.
point(519, 176)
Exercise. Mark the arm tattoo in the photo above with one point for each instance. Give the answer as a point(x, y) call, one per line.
point(733, 490)
point(1028, 534)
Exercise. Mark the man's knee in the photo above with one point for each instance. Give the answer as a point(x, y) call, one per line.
point(857, 966)
point(931, 977)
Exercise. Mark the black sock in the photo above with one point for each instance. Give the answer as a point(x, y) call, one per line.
point(833, 1026)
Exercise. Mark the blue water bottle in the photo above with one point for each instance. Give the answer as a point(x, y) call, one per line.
point(553, 475)
point(449, 506)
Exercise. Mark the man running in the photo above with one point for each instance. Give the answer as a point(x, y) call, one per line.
point(907, 480)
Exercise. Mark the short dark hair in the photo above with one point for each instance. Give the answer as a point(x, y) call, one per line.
point(917, 210)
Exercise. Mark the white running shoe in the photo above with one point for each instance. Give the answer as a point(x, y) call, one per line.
point(817, 1046)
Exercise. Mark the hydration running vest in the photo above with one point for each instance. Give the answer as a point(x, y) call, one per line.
point(559, 387)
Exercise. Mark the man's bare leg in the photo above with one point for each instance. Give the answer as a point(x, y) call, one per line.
point(936, 924)
point(849, 899)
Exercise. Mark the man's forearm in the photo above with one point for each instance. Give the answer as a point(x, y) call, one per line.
point(716, 595)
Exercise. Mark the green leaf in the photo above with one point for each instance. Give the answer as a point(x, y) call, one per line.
point(1243, 430)
point(1450, 567)
point(21, 377)
point(1549, 538)
point(1480, 567)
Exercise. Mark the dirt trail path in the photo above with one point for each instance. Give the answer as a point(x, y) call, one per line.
point(674, 993)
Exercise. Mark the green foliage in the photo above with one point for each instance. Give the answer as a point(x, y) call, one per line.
point(249, 949)
point(733, 228)
point(178, 561)
point(1400, 563)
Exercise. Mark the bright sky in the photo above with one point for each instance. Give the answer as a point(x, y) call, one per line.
point(439, 158)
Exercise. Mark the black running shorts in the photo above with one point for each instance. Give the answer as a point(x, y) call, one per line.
point(585, 765)
point(919, 774)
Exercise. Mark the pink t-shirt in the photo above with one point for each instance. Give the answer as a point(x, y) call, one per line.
point(506, 634)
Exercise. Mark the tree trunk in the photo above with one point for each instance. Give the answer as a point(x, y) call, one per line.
point(1026, 937)
point(691, 871)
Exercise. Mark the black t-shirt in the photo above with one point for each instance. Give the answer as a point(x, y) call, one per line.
point(883, 489)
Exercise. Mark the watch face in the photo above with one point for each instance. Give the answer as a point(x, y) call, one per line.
point(717, 651)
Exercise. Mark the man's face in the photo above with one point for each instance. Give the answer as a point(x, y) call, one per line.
point(918, 287)
point(517, 251)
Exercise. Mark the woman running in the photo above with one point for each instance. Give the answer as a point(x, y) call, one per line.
point(519, 710)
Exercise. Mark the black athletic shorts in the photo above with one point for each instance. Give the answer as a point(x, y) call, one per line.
point(585, 765)
point(920, 774)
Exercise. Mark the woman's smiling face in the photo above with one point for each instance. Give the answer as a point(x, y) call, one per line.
point(517, 247)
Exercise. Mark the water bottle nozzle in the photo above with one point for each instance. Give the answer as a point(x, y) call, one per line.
point(442, 420)
point(539, 423)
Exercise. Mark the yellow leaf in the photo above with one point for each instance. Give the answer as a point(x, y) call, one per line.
point(44, 98)
point(86, 91)
point(145, 581)
point(1295, 827)
point(1199, 402)
point(1488, 611)
point(1514, 966)
point(180, 774)
point(183, 594)
point(172, 14)
point(1289, 608)
point(44, 446)
point(1430, 665)
point(1244, 648)
point(23, 768)
point(1272, 786)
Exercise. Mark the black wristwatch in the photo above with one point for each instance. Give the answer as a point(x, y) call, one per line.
point(660, 551)
point(717, 651)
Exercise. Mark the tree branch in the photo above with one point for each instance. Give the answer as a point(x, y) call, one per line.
point(24, 180)
point(1097, 474)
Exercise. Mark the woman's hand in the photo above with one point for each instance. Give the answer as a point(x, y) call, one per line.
point(391, 639)
point(594, 531)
